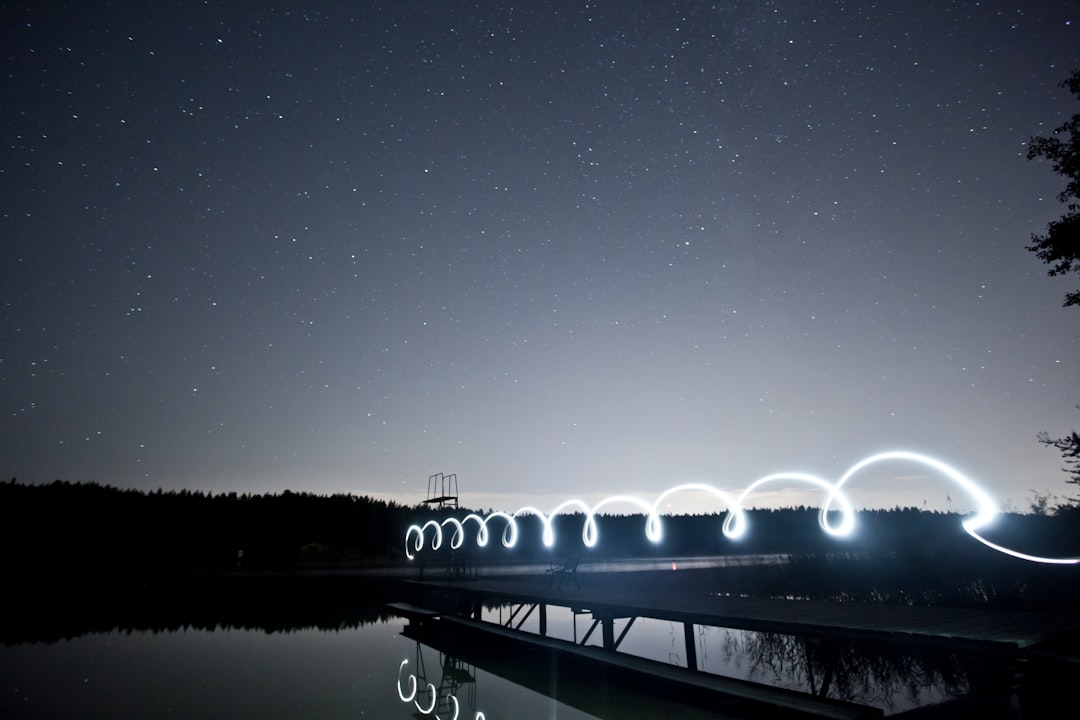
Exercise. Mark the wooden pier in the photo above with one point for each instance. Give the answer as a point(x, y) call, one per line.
point(959, 629)
point(455, 608)
point(646, 688)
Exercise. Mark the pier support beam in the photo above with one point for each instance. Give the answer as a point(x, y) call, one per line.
point(543, 620)
point(691, 648)
point(608, 624)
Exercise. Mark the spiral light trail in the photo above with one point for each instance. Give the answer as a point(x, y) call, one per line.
point(433, 694)
point(734, 526)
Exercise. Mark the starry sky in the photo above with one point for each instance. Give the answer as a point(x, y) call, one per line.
point(556, 248)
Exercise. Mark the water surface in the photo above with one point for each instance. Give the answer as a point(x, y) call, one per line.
point(325, 646)
point(243, 673)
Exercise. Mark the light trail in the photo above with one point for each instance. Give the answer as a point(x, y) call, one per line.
point(411, 693)
point(734, 526)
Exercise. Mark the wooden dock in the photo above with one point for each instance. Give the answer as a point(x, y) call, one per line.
point(646, 688)
point(960, 629)
point(454, 609)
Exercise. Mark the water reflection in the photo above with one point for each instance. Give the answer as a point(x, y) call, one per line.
point(573, 688)
point(203, 674)
point(892, 678)
point(441, 700)
point(264, 602)
point(329, 647)
point(889, 677)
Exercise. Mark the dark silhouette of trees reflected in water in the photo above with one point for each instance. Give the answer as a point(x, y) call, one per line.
point(866, 673)
point(897, 677)
point(268, 603)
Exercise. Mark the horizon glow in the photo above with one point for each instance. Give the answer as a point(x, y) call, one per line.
point(734, 526)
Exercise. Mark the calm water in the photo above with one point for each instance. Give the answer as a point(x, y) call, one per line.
point(236, 673)
point(361, 672)
point(367, 671)
point(324, 646)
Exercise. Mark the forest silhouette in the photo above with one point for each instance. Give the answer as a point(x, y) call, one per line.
point(903, 555)
point(83, 557)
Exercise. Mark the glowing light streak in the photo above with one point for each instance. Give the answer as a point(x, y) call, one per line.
point(418, 531)
point(410, 696)
point(737, 530)
point(434, 695)
point(412, 683)
point(415, 534)
point(734, 526)
point(734, 523)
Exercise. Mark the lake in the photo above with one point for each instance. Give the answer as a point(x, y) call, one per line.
point(355, 672)
point(325, 646)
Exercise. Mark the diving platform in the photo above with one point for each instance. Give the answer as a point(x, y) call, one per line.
point(442, 490)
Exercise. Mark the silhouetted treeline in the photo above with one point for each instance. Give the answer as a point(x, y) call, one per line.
point(77, 526)
point(93, 527)
point(161, 560)
point(901, 556)
point(778, 531)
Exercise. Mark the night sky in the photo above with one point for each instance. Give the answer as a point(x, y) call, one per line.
point(556, 248)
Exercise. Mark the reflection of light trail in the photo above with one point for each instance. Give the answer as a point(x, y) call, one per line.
point(734, 526)
point(410, 696)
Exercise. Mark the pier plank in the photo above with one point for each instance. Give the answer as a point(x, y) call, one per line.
point(976, 629)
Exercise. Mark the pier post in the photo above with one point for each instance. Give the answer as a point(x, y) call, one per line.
point(691, 648)
point(476, 608)
point(608, 623)
point(543, 620)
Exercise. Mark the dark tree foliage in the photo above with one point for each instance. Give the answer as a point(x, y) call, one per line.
point(1060, 246)
point(166, 560)
point(92, 527)
point(1069, 446)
